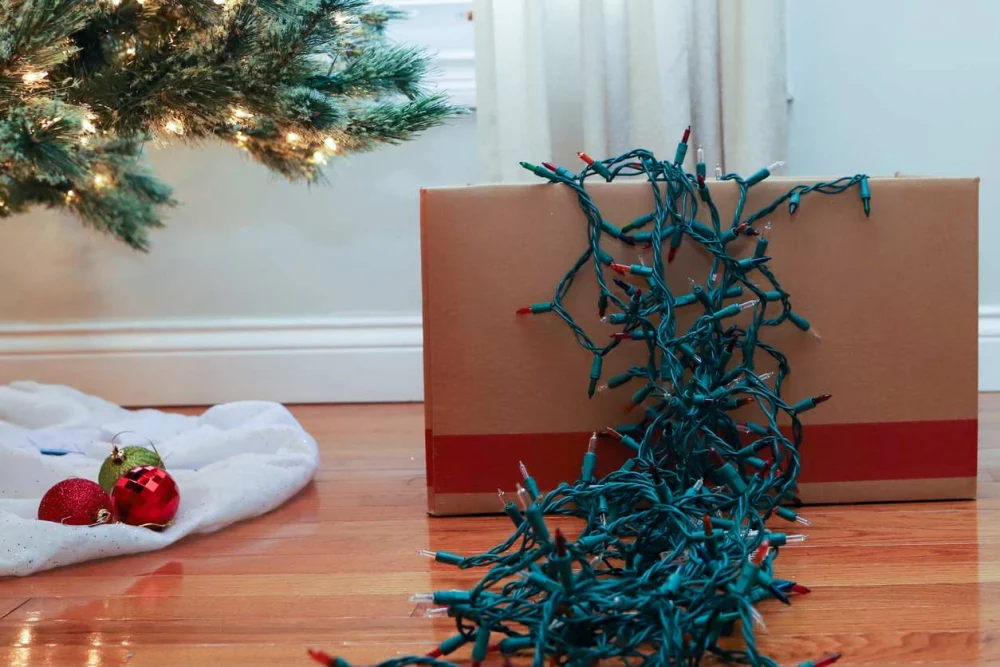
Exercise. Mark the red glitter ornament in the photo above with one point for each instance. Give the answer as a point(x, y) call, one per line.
point(146, 496)
point(76, 502)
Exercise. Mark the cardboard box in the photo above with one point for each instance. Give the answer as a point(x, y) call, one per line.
point(894, 296)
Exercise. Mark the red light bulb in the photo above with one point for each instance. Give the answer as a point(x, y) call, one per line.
point(822, 398)
point(687, 135)
point(560, 544)
point(549, 166)
point(619, 268)
point(320, 657)
point(799, 589)
point(671, 254)
point(525, 310)
point(715, 457)
point(586, 158)
point(827, 660)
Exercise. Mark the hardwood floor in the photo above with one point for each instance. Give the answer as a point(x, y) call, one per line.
point(892, 585)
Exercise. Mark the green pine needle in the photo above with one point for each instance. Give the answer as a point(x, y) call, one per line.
point(83, 83)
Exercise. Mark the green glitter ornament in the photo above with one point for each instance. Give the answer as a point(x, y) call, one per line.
point(123, 459)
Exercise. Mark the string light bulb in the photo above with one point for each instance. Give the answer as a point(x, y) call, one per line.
point(330, 143)
point(34, 77)
point(100, 180)
point(743, 489)
point(319, 157)
point(292, 137)
point(174, 126)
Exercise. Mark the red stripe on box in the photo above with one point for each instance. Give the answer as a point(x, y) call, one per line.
point(429, 455)
point(830, 453)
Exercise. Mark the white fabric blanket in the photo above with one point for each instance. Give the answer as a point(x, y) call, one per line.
point(235, 461)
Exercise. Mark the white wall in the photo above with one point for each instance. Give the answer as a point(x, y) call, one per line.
point(910, 86)
point(257, 288)
point(281, 291)
point(243, 242)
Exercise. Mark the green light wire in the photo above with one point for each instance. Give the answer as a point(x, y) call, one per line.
point(673, 552)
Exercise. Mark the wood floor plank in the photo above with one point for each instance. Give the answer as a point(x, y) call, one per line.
point(901, 584)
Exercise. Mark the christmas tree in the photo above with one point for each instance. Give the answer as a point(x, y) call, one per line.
point(85, 84)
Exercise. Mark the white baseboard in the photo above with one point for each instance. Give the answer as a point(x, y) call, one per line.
point(360, 359)
point(207, 361)
point(989, 348)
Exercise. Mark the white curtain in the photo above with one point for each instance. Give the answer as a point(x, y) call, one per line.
point(554, 77)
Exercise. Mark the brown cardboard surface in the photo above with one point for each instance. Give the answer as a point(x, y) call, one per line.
point(894, 296)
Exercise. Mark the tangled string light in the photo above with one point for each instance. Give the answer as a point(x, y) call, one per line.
point(674, 551)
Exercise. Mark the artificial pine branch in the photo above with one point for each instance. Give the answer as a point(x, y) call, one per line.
point(84, 84)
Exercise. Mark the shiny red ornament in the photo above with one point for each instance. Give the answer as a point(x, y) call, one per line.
point(76, 502)
point(146, 496)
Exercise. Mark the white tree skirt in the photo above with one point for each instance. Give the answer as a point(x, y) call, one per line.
point(235, 461)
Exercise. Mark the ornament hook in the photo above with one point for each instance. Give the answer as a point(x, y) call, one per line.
point(114, 447)
point(103, 517)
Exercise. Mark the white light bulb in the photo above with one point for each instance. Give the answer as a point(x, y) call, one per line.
point(718, 172)
point(758, 620)
point(319, 157)
point(701, 154)
point(174, 126)
point(34, 77)
point(292, 137)
point(88, 126)
point(330, 143)
point(100, 180)
point(130, 51)
point(524, 497)
point(436, 612)
point(777, 165)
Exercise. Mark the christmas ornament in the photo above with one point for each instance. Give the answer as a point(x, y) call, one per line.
point(146, 496)
point(124, 459)
point(76, 502)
